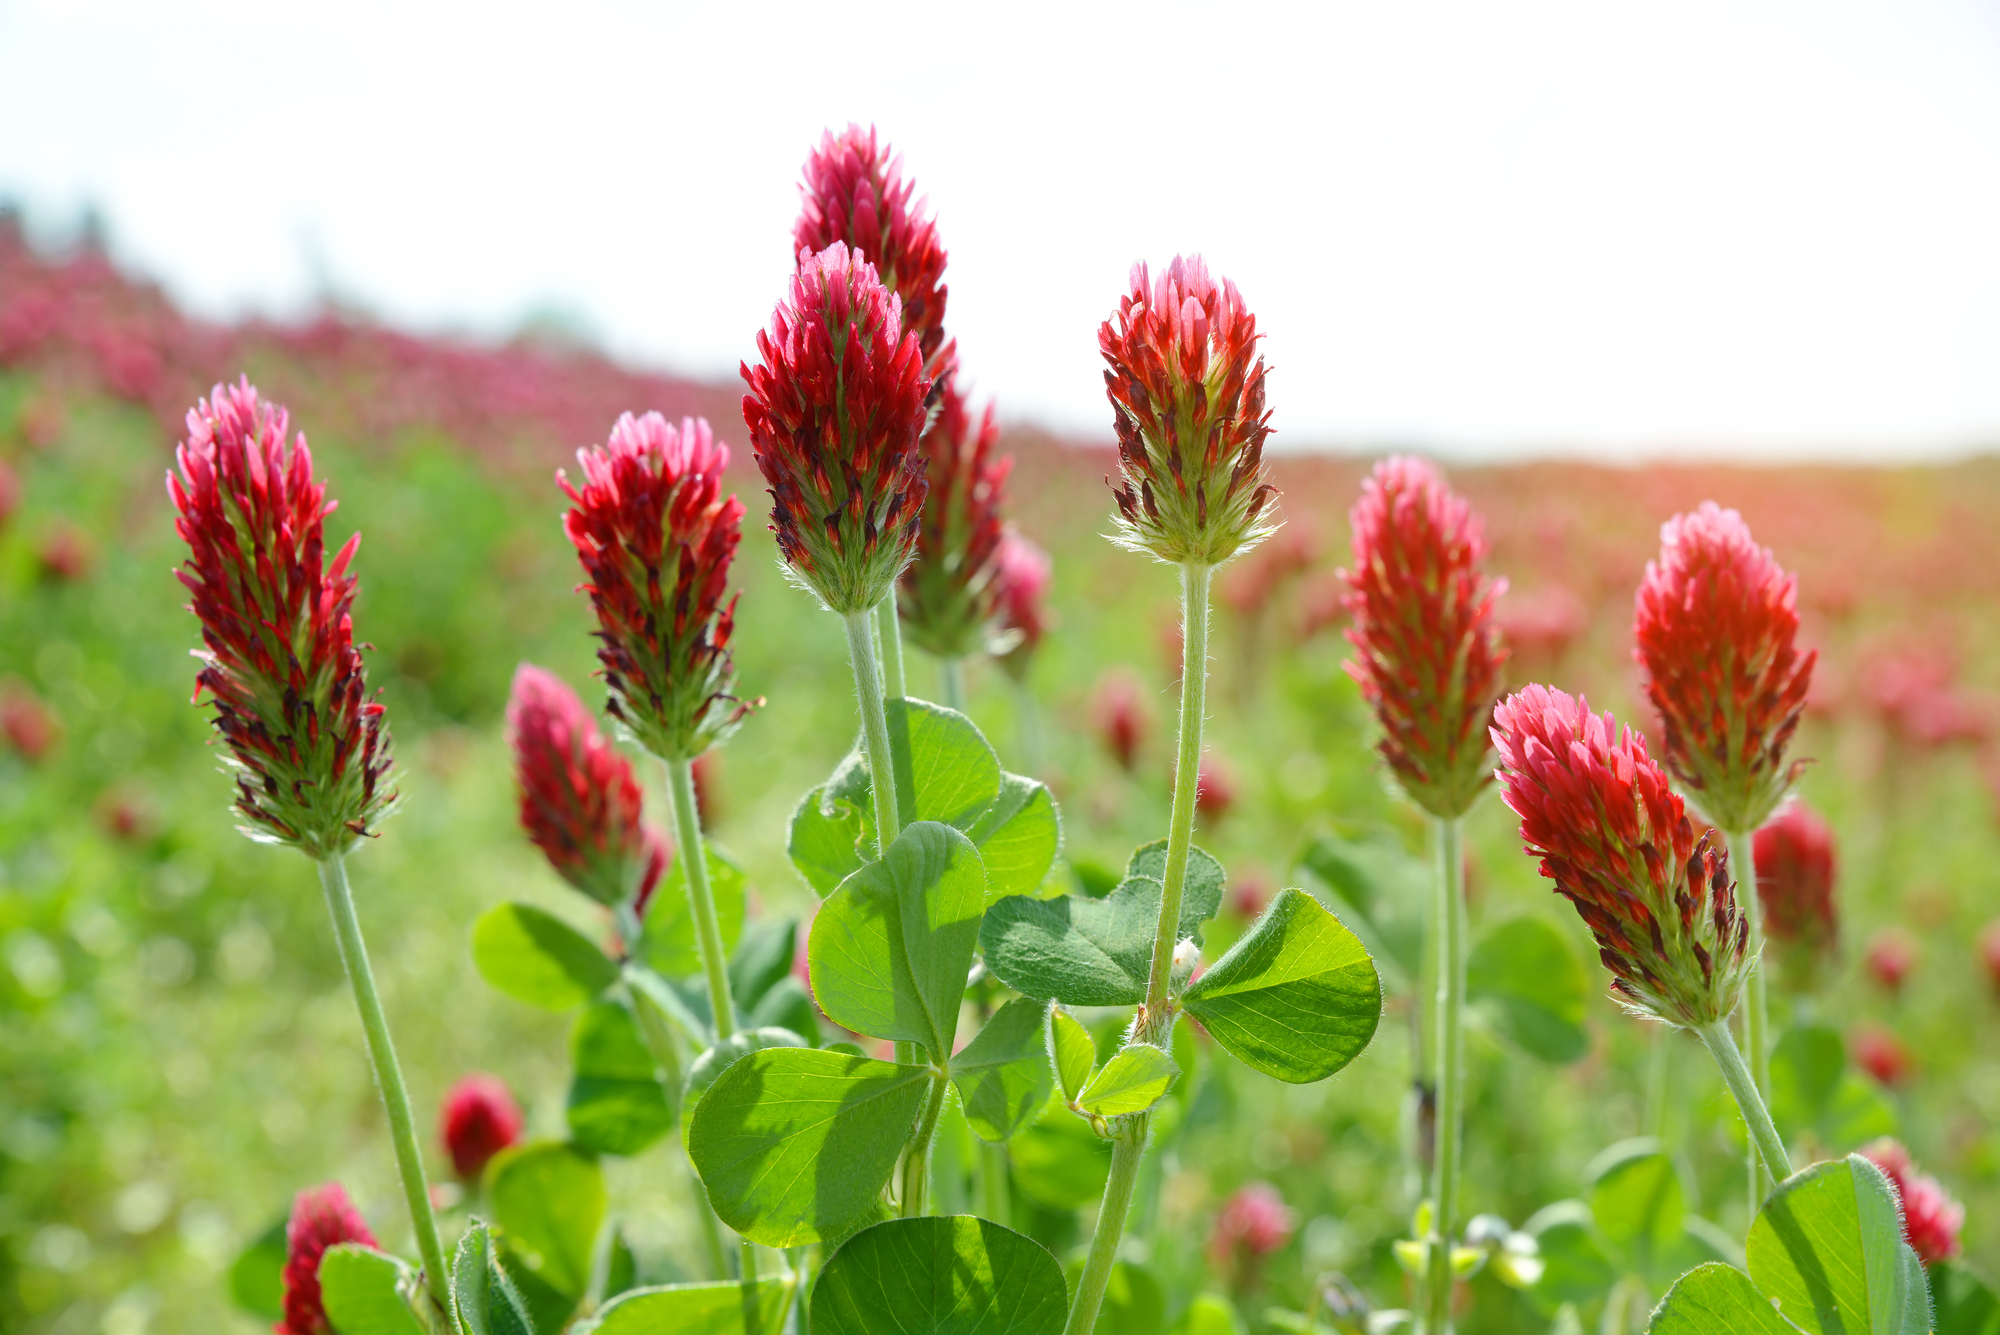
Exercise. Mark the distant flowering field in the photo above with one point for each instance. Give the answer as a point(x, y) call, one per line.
point(1396, 970)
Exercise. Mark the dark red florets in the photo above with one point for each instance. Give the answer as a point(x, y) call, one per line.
point(580, 802)
point(1795, 872)
point(322, 1217)
point(479, 1119)
point(948, 594)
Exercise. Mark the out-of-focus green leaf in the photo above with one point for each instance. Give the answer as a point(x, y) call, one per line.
point(668, 943)
point(1134, 1303)
point(1208, 1314)
point(940, 1276)
point(786, 1005)
point(1059, 1161)
point(549, 1200)
point(536, 957)
point(1532, 987)
point(1574, 1268)
point(1806, 1065)
point(762, 959)
point(1638, 1201)
point(257, 1277)
point(617, 1104)
point(1388, 891)
point(1965, 1305)
point(363, 1291)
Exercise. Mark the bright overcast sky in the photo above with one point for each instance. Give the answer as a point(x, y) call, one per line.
point(1483, 227)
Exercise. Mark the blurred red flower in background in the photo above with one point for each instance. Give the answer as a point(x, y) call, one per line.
point(1253, 1223)
point(65, 553)
point(322, 1217)
point(1795, 872)
point(1120, 715)
point(26, 722)
point(1890, 956)
point(1021, 577)
point(1214, 790)
point(1931, 1219)
point(1879, 1052)
point(478, 1120)
point(1989, 952)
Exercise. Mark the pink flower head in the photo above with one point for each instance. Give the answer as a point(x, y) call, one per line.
point(948, 593)
point(1890, 956)
point(1795, 867)
point(1716, 623)
point(1254, 1222)
point(1187, 396)
point(26, 722)
point(835, 409)
point(1615, 838)
point(308, 748)
point(479, 1119)
point(1932, 1220)
point(1879, 1052)
point(1989, 952)
point(580, 802)
point(1426, 652)
point(854, 192)
point(1021, 575)
point(656, 536)
point(322, 1217)
point(1121, 716)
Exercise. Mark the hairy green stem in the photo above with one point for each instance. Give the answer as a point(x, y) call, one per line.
point(388, 1078)
point(892, 647)
point(1125, 1159)
point(701, 899)
point(1736, 1075)
point(1756, 1005)
point(951, 683)
point(874, 730)
point(1449, 915)
point(917, 1162)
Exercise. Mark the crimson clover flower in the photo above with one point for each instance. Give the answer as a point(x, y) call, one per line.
point(1795, 869)
point(580, 802)
point(835, 409)
point(322, 1217)
point(1253, 1223)
point(1021, 575)
point(854, 193)
point(947, 596)
point(308, 748)
point(1616, 839)
point(1427, 652)
point(1187, 395)
point(1932, 1220)
point(656, 537)
point(1716, 624)
point(479, 1119)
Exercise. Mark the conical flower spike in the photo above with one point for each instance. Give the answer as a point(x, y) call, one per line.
point(308, 748)
point(1795, 873)
point(854, 193)
point(1187, 394)
point(322, 1217)
point(1615, 838)
point(947, 595)
point(580, 803)
point(656, 536)
point(1716, 623)
point(1427, 654)
point(835, 407)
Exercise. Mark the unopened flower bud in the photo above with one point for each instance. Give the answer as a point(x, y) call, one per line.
point(1186, 956)
point(479, 1119)
point(1716, 625)
point(1187, 395)
point(1616, 840)
point(322, 1217)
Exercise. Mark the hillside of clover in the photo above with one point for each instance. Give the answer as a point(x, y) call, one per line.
point(798, 855)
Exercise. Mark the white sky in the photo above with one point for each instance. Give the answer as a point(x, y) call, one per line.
point(1494, 228)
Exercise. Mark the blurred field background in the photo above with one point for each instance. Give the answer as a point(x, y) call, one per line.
point(179, 1053)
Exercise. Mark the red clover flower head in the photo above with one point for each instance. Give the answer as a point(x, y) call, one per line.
point(1021, 576)
point(1427, 654)
point(1253, 1223)
point(1716, 622)
point(1795, 870)
point(308, 748)
point(1187, 396)
point(656, 537)
point(835, 409)
point(479, 1119)
point(322, 1217)
point(947, 594)
point(1932, 1220)
point(854, 193)
point(1615, 838)
point(580, 802)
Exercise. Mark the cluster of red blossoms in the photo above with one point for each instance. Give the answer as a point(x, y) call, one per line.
point(479, 1119)
point(1716, 623)
point(1427, 654)
point(1615, 838)
point(656, 537)
point(1795, 870)
point(580, 802)
point(322, 1217)
point(1187, 394)
point(309, 748)
point(835, 410)
point(1931, 1219)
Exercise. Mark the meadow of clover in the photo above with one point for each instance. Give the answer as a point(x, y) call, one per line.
point(825, 862)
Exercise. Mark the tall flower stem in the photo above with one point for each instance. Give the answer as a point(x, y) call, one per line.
point(1736, 1075)
point(874, 729)
point(1448, 839)
point(951, 683)
point(1155, 1024)
point(701, 899)
point(1756, 1007)
point(388, 1077)
point(892, 648)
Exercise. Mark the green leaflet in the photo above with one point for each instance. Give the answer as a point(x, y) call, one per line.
point(891, 948)
point(1717, 1299)
point(1638, 1201)
point(536, 957)
point(706, 1068)
point(1532, 988)
point(1059, 1161)
point(1386, 891)
point(691, 1309)
point(1003, 1073)
point(1018, 837)
point(363, 1292)
point(1137, 1077)
point(1095, 952)
point(795, 1144)
point(1075, 1052)
point(549, 1200)
point(257, 1276)
point(1296, 998)
point(483, 1297)
point(616, 1102)
point(958, 1275)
